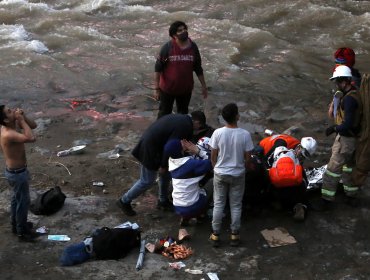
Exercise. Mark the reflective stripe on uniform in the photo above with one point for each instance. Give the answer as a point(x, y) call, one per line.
point(327, 192)
point(332, 174)
point(350, 189)
point(347, 169)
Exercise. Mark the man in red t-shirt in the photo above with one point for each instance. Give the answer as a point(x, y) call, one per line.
point(173, 78)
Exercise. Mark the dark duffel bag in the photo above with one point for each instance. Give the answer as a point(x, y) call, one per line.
point(114, 243)
point(49, 202)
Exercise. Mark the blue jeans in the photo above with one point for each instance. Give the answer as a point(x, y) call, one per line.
point(146, 181)
point(194, 210)
point(226, 185)
point(20, 200)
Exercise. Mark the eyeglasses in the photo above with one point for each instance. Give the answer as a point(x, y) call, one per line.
point(180, 30)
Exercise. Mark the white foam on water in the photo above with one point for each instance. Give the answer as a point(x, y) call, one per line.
point(83, 33)
point(25, 4)
point(13, 32)
point(90, 6)
point(116, 7)
point(34, 46)
point(9, 2)
point(139, 8)
point(17, 37)
point(24, 62)
point(37, 46)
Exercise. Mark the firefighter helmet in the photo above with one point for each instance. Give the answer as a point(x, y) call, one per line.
point(308, 145)
point(342, 71)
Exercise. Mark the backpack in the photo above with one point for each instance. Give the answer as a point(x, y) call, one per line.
point(49, 202)
point(115, 243)
point(286, 171)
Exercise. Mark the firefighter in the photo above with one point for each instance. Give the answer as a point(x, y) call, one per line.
point(346, 128)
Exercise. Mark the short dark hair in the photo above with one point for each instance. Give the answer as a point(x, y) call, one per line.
point(199, 116)
point(230, 112)
point(174, 26)
point(2, 115)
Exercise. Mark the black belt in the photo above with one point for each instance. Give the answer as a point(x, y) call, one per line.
point(16, 171)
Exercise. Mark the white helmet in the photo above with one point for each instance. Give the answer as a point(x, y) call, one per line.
point(279, 150)
point(203, 144)
point(308, 145)
point(342, 71)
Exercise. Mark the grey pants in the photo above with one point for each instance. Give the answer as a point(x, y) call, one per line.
point(226, 185)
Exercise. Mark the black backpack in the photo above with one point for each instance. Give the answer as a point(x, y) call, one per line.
point(114, 243)
point(49, 202)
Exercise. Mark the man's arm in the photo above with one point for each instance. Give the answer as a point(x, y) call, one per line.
point(214, 155)
point(331, 110)
point(31, 123)
point(199, 70)
point(27, 135)
point(247, 161)
point(204, 86)
point(157, 90)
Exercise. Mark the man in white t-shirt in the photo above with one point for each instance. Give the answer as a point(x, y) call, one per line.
point(230, 154)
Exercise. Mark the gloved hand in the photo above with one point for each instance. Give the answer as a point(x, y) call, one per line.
point(330, 130)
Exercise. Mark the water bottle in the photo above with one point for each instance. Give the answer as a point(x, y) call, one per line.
point(269, 132)
point(63, 153)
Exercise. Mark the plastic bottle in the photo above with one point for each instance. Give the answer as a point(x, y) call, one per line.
point(269, 132)
point(63, 153)
point(98, 184)
point(61, 237)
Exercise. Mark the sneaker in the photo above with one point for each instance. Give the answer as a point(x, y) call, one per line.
point(29, 226)
point(234, 239)
point(215, 240)
point(322, 205)
point(28, 237)
point(299, 212)
point(165, 205)
point(126, 208)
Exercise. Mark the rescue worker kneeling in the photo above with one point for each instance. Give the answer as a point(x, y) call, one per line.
point(288, 182)
point(285, 178)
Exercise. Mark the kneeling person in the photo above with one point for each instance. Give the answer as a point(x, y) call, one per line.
point(189, 200)
point(289, 182)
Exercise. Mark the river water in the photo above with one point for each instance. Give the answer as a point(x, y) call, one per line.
point(273, 58)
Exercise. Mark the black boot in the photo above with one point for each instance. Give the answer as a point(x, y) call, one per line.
point(29, 227)
point(29, 236)
point(165, 205)
point(126, 208)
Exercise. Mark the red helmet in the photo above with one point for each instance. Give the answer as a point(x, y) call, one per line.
point(345, 56)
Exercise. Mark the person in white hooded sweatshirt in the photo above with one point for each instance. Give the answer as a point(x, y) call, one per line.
point(189, 200)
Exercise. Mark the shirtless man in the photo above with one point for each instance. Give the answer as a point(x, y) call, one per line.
point(12, 144)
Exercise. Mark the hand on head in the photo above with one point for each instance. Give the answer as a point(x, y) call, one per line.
point(189, 147)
